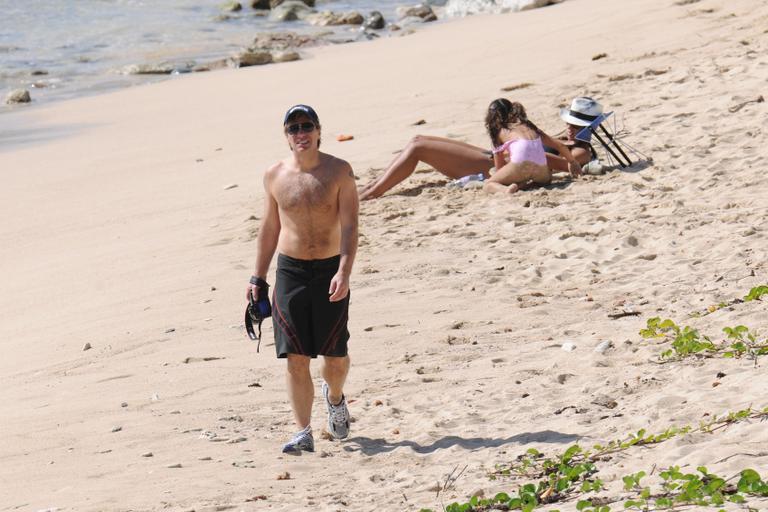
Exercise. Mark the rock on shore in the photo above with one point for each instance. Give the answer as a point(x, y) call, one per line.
point(18, 96)
point(290, 10)
point(325, 18)
point(466, 7)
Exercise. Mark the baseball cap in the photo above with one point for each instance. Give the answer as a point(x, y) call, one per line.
point(301, 109)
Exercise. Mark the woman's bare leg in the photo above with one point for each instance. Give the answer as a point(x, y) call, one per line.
point(452, 158)
point(520, 174)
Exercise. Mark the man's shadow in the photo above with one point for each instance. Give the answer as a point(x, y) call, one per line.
point(368, 446)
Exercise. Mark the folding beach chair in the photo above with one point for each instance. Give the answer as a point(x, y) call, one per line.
point(611, 141)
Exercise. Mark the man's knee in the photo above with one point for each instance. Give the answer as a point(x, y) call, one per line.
point(298, 365)
point(336, 364)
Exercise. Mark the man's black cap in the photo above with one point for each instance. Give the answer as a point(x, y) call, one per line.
point(301, 109)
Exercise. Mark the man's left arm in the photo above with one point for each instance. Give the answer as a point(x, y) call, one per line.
point(348, 210)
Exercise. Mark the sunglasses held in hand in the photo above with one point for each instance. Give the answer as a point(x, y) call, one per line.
point(305, 127)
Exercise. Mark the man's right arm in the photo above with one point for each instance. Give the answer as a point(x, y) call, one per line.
point(269, 233)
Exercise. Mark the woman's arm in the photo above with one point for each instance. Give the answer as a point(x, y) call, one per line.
point(573, 166)
point(498, 160)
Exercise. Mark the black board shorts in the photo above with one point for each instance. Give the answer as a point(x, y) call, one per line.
point(305, 321)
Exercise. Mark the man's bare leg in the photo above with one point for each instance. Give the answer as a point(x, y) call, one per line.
point(452, 158)
point(300, 389)
point(334, 372)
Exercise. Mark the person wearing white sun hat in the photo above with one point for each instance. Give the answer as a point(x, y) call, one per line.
point(582, 111)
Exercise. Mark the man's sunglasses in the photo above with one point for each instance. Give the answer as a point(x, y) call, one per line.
point(305, 127)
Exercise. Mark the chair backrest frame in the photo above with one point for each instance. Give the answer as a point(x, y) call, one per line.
point(586, 133)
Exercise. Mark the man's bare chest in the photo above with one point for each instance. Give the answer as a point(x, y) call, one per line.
point(304, 192)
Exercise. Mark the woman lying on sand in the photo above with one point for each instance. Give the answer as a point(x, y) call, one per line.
point(518, 153)
point(457, 159)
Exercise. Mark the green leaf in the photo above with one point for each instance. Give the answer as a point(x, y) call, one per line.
point(570, 452)
point(501, 497)
point(756, 293)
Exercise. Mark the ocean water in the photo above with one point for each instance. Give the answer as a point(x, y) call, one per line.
point(58, 49)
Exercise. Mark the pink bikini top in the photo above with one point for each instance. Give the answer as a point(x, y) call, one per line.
point(524, 150)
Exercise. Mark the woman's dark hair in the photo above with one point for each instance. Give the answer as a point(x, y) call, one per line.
point(502, 113)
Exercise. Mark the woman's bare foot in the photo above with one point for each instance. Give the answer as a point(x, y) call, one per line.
point(511, 189)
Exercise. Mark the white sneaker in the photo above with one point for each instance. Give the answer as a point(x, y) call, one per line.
point(338, 415)
point(301, 441)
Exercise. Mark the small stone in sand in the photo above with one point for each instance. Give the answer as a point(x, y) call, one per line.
point(124, 404)
point(599, 56)
point(147, 454)
point(230, 186)
point(568, 346)
point(87, 346)
point(117, 429)
point(379, 402)
point(284, 476)
point(155, 397)
point(170, 330)
point(605, 401)
point(419, 122)
point(174, 466)
point(603, 346)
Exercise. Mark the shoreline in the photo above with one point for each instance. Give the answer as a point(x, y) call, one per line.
point(316, 27)
point(125, 233)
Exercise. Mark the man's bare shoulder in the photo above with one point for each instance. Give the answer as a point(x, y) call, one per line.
point(338, 167)
point(275, 169)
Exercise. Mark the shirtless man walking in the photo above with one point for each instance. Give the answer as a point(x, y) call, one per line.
point(310, 217)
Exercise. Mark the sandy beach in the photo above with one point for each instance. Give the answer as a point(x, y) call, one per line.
point(130, 221)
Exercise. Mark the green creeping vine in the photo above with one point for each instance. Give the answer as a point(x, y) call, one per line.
point(755, 293)
point(572, 474)
point(687, 342)
point(703, 489)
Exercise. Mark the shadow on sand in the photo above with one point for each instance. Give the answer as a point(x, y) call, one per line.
point(417, 190)
point(368, 446)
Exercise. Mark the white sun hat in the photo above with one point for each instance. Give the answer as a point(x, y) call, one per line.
point(582, 112)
